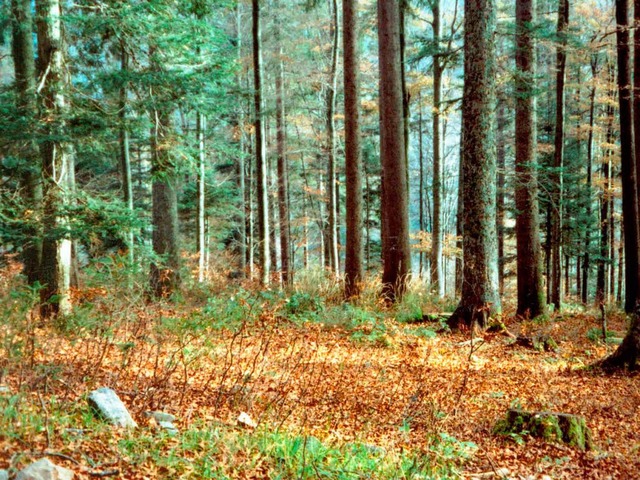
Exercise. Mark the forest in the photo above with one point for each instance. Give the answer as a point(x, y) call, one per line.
point(304, 239)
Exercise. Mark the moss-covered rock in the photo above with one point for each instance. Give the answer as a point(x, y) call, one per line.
point(551, 426)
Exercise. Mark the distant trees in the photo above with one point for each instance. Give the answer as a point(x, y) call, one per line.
point(396, 255)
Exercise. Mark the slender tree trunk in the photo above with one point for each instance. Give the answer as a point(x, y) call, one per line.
point(332, 217)
point(531, 297)
point(283, 187)
point(57, 162)
point(260, 150)
point(353, 268)
point(25, 77)
point(396, 253)
point(586, 265)
point(436, 232)
point(460, 221)
point(422, 187)
point(480, 297)
point(242, 188)
point(604, 214)
point(125, 157)
point(500, 204)
point(558, 158)
point(202, 237)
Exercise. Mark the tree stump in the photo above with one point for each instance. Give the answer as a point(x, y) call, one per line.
point(552, 426)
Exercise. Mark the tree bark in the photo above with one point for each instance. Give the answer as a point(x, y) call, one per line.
point(202, 236)
point(558, 158)
point(25, 77)
point(396, 255)
point(627, 158)
point(531, 295)
point(436, 231)
point(125, 157)
point(480, 297)
point(601, 278)
point(353, 268)
point(57, 161)
point(283, 186)
point(260, 149)
point(332, 213)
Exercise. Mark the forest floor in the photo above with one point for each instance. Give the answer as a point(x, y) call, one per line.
point(337, 392)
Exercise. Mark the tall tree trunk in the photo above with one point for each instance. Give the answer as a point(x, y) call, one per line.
point(57, 161)
point(601, 278)
point(422, 187)
point(396, 254)
point(460, 220)
point(242, 182)
point(627, 159)
point(125, 157)
point(501, 155)
point(202, 237)
point(353, 268)
point(283, 186)
point(480, 297)
point(531, 297)
point(436, 231)
point(558, 158)
point(586, 265)
point(165, 271)
point(260, 149)
point(25, 76)
point(332, 211)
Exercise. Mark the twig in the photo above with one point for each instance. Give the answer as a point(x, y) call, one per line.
point(105, 473)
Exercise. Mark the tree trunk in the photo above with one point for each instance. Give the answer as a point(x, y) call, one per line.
point(125, 157)
point(25, 77)
point(396, 255)
point(242, 189)
point(165, 270)
point(500, 190)
point(558, 158)
point(332, 213)
point(202, 244)
point(353, 268)
point(460, 220)
point(586, 264)
point(57, 162)
point(422, 187)
point(531, 297)
point(601, 278)
point(627, 159)
point(283, 186)
point(480, 297)
point(260, 150)
point(436, 231)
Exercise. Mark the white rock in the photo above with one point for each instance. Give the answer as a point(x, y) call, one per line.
point(107, 403)
point(4, 475)
point(246, 421)
point(43, 469)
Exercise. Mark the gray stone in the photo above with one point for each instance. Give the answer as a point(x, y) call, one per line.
point(43, 469)
point(164, 421)
point(4, 390)
point(4, 475)
point(108, 405)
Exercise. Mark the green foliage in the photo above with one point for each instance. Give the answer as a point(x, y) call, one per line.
point(302, 302)
point(595, 334)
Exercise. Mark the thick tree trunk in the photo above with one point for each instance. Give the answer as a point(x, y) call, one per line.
point(627, 158)
point(57, 162)
point(531, 296)
point(165, 270)
point(260, 150)
point(558, 158)
point(480, 297)
point(353, 268)
point(396, 255)
point(25, 77)
point(436, 231)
